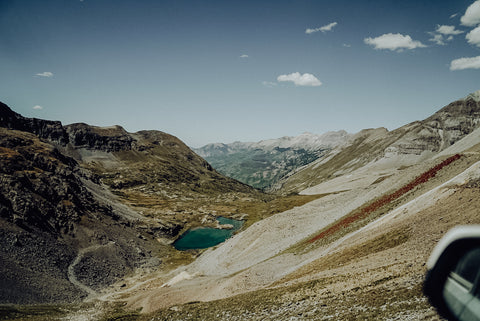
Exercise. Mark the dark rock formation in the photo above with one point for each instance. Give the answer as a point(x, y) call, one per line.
point(110, 139)
point(38, 186)
point(46, 129)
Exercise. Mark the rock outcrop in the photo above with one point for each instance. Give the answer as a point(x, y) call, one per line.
point(442, 129)
point(107, 139)
point(46, 129)
point(39, 187)
point(48, 215)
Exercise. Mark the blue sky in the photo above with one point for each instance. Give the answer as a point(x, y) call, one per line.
point(221, 71)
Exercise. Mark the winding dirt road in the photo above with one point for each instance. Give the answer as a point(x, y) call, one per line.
point(71, 269)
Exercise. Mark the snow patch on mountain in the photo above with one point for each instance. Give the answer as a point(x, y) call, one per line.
point(306, 141)
point(261, 164)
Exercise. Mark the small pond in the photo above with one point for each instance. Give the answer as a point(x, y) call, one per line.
point(204, 237)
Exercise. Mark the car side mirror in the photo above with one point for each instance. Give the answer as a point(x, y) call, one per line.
point(452, 280)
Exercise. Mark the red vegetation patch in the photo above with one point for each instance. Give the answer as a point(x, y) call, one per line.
point(384, 200)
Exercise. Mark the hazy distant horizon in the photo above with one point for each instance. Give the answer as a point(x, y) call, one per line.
point(223, 71)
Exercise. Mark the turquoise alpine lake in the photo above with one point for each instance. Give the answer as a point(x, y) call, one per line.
point(204, 237)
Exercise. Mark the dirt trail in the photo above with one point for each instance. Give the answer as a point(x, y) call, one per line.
point(71, 269)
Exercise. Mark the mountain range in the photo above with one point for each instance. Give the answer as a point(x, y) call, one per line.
point(262, 164)
point(273, 164)
point(89, 214)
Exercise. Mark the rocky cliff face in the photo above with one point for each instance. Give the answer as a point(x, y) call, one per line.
point(108, 139)
point(458, 119)
point(48, 215)
point(46, 129)
point(442, 129)
point(155, 162)
point(40, 187)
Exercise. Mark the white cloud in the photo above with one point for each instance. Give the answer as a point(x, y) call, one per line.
point(346, 45)
point(328, 27)
point(448, 30)
point(47, 74)
point(472, 15)
point(300, 80)
point(473, 36)
point(444, 33)
point(323, 29)
point(437, 38)
point(453, 15)
point(393, 41)
point(244, 56)
point(37, 107)
point(465, 63)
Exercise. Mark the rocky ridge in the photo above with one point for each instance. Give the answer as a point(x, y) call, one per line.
point(45, 129)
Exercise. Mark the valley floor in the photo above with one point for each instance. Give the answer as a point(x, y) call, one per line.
point(374, 275)
point(374, 271)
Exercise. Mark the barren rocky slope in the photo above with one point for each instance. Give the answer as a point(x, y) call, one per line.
point(373, 274)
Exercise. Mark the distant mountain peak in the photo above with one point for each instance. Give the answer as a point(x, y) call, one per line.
point(306, 141)
point(260, 164)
